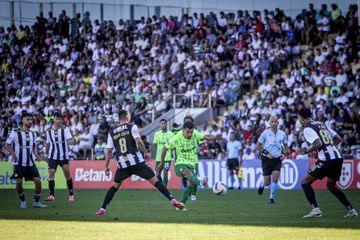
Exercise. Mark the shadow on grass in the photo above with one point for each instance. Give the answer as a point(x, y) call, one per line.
point(236, 208)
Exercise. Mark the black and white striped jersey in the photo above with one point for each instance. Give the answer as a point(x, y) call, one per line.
point(317, 130)
point(23, 143)
point(122, 138)
point(57, 138)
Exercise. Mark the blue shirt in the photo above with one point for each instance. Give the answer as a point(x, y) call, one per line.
point(233, 149)
point(273, 142)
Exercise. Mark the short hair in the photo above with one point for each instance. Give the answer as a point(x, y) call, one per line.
point(188, 125)
point(57, 115)
point(163, 120)
point(26, 114)
point(305, 113)
point(188, 117)
point(123, 114)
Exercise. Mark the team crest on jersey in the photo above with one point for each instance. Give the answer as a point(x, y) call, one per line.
point(347, 174)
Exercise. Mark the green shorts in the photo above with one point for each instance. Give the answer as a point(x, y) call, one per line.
point(166, 165)
point(179, 168)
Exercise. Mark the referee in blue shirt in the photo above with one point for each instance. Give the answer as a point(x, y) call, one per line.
point(271, 144)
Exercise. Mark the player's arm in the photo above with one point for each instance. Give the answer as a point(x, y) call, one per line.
point(240, 157)
point(47, 147)
point(69, 137)
point(139, 141)
point(9, 148)
point(11, 151)
point(335, 136)
point(162, 161)
point(311, 137)
point(35, 146)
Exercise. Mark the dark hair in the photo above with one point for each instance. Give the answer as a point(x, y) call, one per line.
point(163, 120)
point(305, 113)
point(188, 117)
point(123, 114)
point(188, 125)
point(26, 114)
point(57, 115)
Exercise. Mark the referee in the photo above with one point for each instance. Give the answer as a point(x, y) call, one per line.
point(56, 154)
point(21, 144)
point(271, 144)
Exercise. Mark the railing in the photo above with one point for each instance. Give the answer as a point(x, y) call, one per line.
point(192, 101)
point(25, 11)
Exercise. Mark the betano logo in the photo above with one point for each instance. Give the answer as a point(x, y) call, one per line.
point(91, 175)
point(289, 175)
point(5, 179)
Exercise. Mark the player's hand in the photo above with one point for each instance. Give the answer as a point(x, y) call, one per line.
point(15, 159)
point(282, 157)
point(147, 156)
point(107, 171)
point(270, 156)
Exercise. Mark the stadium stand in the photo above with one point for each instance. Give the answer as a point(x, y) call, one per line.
point(252, 64)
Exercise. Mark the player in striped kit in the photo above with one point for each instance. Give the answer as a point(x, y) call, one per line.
point(21, 144)
point(126, 140)
point(329, 164)
point(56, 153)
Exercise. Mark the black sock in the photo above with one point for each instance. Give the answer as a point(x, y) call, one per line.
point(184, 182)
point(310, 194)
point(342, 198)
point(37, 197)
point(52, 187)
point(22, 197)
point(70, 186)
point(160, 186)
point(109, 196)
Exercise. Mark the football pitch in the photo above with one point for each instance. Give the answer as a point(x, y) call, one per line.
point(144, 214)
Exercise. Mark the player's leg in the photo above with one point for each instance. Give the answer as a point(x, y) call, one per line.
point(186, 172)
point(274, 179)
point(166, 173)
point(66, 169)
point(120, 175)
point(274, 185)
point(145, 172)
point(334, 173)
point(18, 176)
point(20, 191)
point(193, 193)
point(32, 173)
point(51, 179)
point(310, 196)
point(267, 168)
point(231, 167)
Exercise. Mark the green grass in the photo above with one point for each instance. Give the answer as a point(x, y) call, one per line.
point(143, 214)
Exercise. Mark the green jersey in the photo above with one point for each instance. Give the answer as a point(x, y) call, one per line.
point(160, 139)
point(186, 149)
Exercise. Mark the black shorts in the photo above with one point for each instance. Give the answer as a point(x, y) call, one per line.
point(54, 163)
point(270, 165)
point(331, 169)
point(232, 164)
point(29, 173)
point(142, 170)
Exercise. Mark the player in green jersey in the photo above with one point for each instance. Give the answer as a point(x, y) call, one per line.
point(185, 142)
point(160, 139)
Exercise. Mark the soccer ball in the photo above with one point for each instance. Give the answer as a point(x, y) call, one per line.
point(219, 188)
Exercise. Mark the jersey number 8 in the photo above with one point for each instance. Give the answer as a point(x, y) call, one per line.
point(122, 143)
point(326, 137)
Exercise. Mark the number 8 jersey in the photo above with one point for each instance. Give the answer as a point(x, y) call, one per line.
point(122, 138)
point(317, 130)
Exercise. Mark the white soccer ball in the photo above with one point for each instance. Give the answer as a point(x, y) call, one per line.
point(219, 188)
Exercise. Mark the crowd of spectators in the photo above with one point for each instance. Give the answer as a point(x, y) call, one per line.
point(90, 70)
